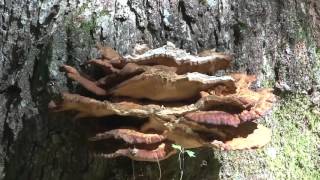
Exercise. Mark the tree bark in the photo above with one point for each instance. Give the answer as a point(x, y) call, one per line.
point(276, 40)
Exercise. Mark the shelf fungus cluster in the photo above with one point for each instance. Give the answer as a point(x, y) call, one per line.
point(164, 96)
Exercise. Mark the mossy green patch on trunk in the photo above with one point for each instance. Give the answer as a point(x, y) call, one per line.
point(293, 152)
point(296, 127)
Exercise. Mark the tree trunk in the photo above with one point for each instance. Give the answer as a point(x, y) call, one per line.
point(276, 40)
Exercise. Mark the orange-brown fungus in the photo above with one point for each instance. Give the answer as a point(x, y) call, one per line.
point(167, 96)
point(129, 136)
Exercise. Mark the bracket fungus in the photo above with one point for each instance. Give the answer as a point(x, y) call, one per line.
point(170, 97)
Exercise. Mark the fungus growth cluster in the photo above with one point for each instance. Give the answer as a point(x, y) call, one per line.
point(159, 97)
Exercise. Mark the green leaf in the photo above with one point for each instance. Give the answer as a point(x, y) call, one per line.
point(175, 146)
point(190, 153)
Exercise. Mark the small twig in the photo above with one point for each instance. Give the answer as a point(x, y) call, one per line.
point(180, 164)
point(160, 174)
point(133, 174)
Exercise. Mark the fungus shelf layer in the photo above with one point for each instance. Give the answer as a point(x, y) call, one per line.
point(179, 99)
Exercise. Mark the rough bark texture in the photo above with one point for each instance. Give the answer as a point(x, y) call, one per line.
point(272, 39)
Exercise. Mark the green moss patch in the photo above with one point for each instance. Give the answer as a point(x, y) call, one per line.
point(294, 152)
point(296, 127)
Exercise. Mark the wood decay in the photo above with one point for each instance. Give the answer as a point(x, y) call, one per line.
point(173, 99)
